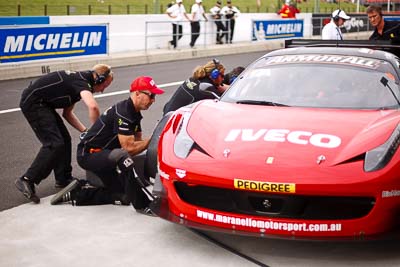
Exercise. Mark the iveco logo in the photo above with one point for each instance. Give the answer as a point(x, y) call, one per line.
point(321, 159)
point(284, 135)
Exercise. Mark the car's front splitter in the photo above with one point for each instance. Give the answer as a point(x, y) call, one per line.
point(160, 207)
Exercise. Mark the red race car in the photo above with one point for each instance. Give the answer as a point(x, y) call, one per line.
point(304, 144)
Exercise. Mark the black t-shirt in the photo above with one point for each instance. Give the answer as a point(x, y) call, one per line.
point(59, 89)
point(188, 92)
point(391, 31)
point(121, 118)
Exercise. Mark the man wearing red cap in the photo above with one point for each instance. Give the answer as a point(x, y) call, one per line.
point(107, 149)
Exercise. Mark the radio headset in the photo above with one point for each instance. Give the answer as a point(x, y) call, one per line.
point(101, 78)
point(336, 18)
point(215, 72)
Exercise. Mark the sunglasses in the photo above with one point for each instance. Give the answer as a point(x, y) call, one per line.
point(152, 96)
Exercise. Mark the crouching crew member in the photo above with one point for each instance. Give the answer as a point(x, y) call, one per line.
point(39, 102)
point(107, 150)
point(189, 91)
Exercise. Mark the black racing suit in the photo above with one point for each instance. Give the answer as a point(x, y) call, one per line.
point(391, 31)
point(188, 92)
point(100, 152)
point(60, 89)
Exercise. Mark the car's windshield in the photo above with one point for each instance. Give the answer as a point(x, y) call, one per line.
point(317, 85)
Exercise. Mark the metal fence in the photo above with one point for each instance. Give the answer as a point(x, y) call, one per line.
point(357, 27)
point(205, 32)
point(119, 9)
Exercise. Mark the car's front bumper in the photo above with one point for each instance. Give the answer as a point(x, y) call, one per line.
point(161, 206)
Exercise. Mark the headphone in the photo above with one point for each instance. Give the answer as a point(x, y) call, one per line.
point(101, 78)
point(337, 15)
point(215, 72)
point(232, 78)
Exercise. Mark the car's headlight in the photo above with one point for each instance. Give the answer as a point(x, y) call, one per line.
point(377, 158)
point(183, 142)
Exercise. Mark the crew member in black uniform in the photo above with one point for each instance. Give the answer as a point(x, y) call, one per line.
point(189, 91)
point(384, 30)
point(107, 150)
point(58, 90)
point(216, 15)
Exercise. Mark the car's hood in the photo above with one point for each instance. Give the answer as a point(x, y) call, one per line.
point(288, 135)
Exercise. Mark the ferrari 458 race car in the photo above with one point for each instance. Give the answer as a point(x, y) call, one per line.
point(304, 144)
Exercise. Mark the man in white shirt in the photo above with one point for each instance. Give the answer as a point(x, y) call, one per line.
point(230, 12)
point(176, 13)
point(331, 31)
point(216, 15)
point(197, 13)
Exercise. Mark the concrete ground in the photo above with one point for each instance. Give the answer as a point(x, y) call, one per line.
point(108, 235)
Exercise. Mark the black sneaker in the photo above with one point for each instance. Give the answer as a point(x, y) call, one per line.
point(121, 199)
point(67, 194)
point(146, 211)
point(27, 188)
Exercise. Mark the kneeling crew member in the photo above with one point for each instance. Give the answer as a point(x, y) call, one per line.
point(108, 146)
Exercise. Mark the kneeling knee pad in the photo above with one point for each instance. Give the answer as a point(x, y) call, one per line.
point(125, 163)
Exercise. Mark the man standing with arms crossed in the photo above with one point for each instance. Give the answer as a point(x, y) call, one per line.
point(216, 14)
point(58, 90)
point(231, 12)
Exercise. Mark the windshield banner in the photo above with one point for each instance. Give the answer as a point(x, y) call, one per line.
point(275, 29)
point(43, 42)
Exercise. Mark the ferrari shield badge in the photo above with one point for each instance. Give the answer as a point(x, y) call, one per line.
point(321, 159)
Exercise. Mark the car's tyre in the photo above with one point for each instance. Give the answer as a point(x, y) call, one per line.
point(150, 162)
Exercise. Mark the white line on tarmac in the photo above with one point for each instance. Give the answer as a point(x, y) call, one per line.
point(102, 95)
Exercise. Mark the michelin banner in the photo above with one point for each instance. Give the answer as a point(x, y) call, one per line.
point(43, 42)
point(274, 29)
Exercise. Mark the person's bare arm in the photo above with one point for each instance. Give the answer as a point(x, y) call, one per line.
point(90, 102)
point(170, 15)
point(72, 119)
point(133, 144)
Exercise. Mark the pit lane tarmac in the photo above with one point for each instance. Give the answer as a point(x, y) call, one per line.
point(108, 235)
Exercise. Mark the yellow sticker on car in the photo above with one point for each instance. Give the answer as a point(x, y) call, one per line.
point(264, 186)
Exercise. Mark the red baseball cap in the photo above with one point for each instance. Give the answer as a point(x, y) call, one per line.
point(143, 83)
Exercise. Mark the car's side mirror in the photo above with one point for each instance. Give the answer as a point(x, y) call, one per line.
point(204, 88)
